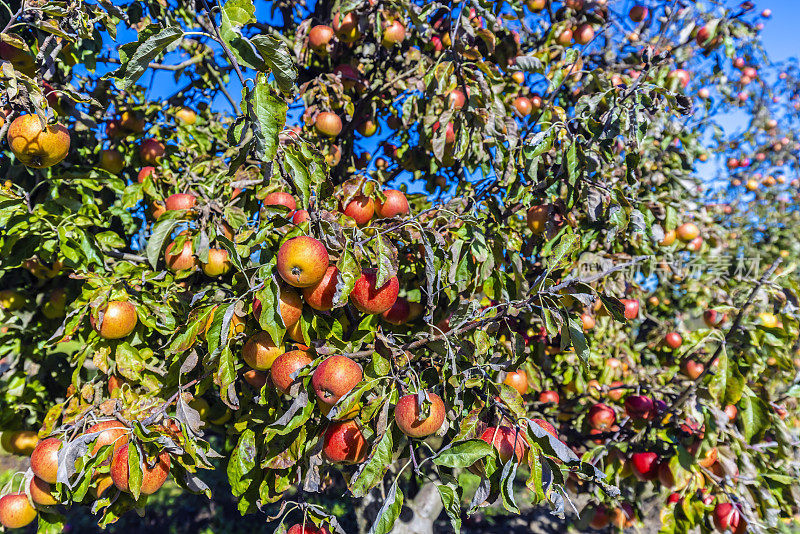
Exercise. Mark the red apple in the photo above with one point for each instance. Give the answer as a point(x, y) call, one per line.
point(371, 299)
point(412, 422)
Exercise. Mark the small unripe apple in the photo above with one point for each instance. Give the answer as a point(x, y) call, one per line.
point(537, 217)
point(186, 115)
point(523, 106)
point(145, 172)
point(346, 27)
point(112, 161)
point(564, 38)
point(588, 322)
point(731, 411)
point(412, 422)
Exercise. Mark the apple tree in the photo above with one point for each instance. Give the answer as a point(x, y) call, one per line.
point(437, 256)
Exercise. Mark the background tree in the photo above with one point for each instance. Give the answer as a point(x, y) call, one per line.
point(440, 257)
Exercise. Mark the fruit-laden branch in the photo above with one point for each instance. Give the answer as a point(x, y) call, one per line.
point(472, 325)
point(731, 332)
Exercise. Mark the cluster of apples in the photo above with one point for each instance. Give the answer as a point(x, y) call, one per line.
point(17, 511)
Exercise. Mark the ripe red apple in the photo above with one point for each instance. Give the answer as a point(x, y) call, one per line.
point(145, 172)
point(692, 369)
point(280, 198)
point(457, 99)
point(152, 477)
point(308, 529)
point(564, 38)
point(631, 308)
point(507, 441)
point(183, 260)
point(412, 422)
point(584, 34)
point(523, 106)
point(344, 443)
point(335, 377)
point(180, 201)
point(151, 151)
point(394, 33)
point(118, 320)
point(517, 380)
point(112, 432)
point(673, 340)
point(302, 261)
point(290, 307)
point(638, 13)
point(645, 465)
point(616, 392)
point(549, 396)
point(588, 322)
point(360, 209)
point(320, 296)
point(679, 76)
point(674, 498)
point(449, 132)
point(687, 231)
point(714, 319)
point(286, 364)
point(16, 511)
point(44, 460)
point(300, 216)
point(328, 124)
point(601, 416)
point(638, 407)
point(257, 379)
point(346, 27)
point(600, 518)
point(369, 298)
point(731, 411)
point(319, 37)
point(399, 313)
point(728, 518)
point(395, 204)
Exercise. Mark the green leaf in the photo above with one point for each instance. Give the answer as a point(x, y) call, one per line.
point(463, 454)
point(242, 463)
point(373, 471)
point(451, 499)
point(299, 173)
point(754, 415)
point(134, 57)
point(277, 55)
point(134, 471)
point(268, 114)
point(129, 362)
point(235, 14)
point(389, 512)
point(161, 231)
